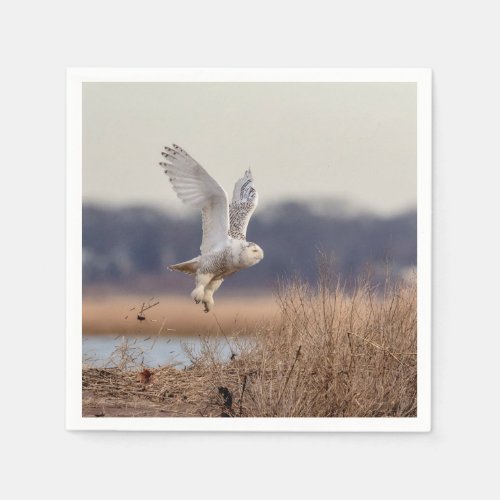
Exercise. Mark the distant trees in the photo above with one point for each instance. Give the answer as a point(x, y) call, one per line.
point(122, 244)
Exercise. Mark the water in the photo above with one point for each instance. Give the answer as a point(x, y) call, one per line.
point(109, 350)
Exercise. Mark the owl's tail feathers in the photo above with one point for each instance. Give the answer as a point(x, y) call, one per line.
point(188, 267)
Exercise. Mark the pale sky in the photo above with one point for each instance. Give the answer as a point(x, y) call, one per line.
point(303, 141)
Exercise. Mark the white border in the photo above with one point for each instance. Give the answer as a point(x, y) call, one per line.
point(75, 79)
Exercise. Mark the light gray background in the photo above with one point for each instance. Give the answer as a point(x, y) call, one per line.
point(355, 142)
point(458, 41)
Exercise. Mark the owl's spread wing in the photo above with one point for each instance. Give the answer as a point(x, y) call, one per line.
point(245, 199)
point(195, 187)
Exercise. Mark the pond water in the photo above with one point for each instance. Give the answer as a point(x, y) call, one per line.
point(111, 350)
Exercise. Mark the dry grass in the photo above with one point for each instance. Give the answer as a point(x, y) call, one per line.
point(330, 354)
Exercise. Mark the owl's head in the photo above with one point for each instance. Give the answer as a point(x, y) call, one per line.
point(251, 254)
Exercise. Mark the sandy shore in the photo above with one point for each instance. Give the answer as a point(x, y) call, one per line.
point(117, 314)
point(95, 409)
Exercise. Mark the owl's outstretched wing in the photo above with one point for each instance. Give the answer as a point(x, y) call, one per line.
point(195, 187)
point(245, 199)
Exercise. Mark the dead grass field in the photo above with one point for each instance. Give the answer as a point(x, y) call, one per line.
point(329, 353)
point(112, 314)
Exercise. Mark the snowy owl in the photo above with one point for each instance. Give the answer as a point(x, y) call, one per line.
point(224, 248)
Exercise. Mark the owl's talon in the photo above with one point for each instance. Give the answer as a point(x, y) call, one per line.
point(197, 294)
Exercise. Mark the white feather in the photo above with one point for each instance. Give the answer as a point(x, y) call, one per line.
point(243, 205)
point(195, 187)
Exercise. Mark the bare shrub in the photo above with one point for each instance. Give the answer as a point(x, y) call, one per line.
point(334, 353)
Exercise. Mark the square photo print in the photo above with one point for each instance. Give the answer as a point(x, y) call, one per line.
point(249, 249)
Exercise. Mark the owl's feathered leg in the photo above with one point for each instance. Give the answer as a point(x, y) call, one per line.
point(210, 289)
point(202, 280)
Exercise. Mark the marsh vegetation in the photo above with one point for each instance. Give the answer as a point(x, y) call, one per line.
point(334, 350)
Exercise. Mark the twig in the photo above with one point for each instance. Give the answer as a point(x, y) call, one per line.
point(377, 346)
point(240, 402)
point(233, 354)
point(288, 376)
point(149, 306)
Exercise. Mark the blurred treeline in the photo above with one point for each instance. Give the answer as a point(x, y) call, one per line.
point(129, 245)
